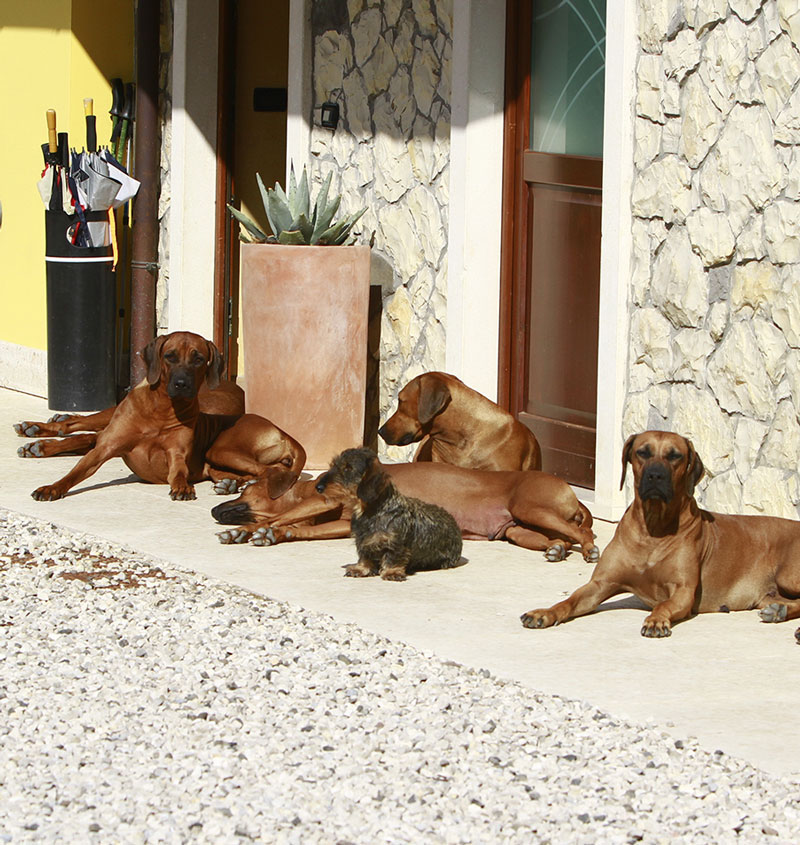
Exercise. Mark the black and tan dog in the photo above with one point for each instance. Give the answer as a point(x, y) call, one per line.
point(160, 432)
point(394, 534)
point(681, 560)
point(459, 426)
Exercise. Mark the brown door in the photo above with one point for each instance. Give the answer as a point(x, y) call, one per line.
point(551, 232)
point(251, 138)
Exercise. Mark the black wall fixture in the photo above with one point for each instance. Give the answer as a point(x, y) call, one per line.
point(270, 99)
point(329, 115)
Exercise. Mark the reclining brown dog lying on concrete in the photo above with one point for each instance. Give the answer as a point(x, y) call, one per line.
point(530, 509)
point(459, 426)
point(162, 434)
point(681, 560)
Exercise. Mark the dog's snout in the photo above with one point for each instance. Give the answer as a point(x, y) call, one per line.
point(322, 483)
point(232, 513)
point(382, 433)
point(180, 383)
point(656, 482)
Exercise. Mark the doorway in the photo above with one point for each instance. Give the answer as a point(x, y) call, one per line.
point(251, 138)
point(555, 73)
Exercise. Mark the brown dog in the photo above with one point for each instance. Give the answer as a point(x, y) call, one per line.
point(531, 509)
point(163, 437)
point(681, 560)
point(459, 426)
point(78, 432)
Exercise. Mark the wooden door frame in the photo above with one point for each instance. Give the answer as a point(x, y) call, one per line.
point(226, 228)
point(513, 256)
point(616, 258)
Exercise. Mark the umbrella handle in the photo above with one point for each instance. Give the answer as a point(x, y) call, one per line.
point(51, 130)
point(91, 124)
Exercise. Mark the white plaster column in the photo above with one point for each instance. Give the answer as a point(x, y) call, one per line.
point(193, 170)
point(476, 183)
point(298, 128)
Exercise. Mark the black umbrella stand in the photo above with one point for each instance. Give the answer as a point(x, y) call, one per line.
point(81, 319)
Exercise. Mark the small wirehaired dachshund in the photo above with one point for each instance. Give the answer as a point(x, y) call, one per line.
point(394, 533)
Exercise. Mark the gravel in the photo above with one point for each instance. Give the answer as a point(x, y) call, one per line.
point(145, 704)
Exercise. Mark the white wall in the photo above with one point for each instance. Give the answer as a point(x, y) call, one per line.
point(476, 184)
point(608, 501)
point(193, 167)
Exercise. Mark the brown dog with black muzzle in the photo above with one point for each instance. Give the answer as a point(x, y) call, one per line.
point(162, 435)
point(530, 509)
point(459, 426)
point(681, 560)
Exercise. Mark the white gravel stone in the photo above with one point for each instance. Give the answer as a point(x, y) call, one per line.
point(170, 708)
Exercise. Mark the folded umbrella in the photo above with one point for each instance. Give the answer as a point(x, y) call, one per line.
point(91, 177)
point(52, 158)
point(128, 185)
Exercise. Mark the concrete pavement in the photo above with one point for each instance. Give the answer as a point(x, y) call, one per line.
point(727, 679)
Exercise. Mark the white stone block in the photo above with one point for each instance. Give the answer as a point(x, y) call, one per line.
point(711, 236)
point(737, 374)
point(679, 284)
point(782, 231)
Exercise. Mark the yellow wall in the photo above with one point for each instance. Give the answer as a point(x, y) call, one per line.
point(52, 55)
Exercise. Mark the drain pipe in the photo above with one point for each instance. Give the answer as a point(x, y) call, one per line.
point(144, 249)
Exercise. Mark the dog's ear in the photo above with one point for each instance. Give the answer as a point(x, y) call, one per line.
point(694, 468)
point(151, 355)
point(626, 458)
point(280, 481)
point(216, 364)
point(434, 397)
point(373, 483)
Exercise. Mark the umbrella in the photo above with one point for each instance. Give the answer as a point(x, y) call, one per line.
point(51, 158)
point(91, 124)
point(128, 185)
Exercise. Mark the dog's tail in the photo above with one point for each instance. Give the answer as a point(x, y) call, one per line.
point(584, 516)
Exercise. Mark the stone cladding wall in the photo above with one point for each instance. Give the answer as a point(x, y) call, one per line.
point(715, 293)
point(388, 64)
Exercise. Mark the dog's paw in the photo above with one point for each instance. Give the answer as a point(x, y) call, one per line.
point(592, 554)
point(233, 536)
point(538, 619)
point(393, 575)
point(775, 612)
point(47, 493)
point(264, 537)
point(355, 570)
point(60, 418)
point(226, 486)
point(182, 494)
point(556, 552)
point(31, 450)
point(653, 628)
point(797, 635)
point(27, 429)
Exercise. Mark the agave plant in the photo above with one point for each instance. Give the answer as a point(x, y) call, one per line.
point(292, 219)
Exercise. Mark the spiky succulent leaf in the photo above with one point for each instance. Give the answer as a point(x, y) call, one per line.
point(292, 184)
point(278, 212)
point(247, 227)
point(264, 191)
point(300, 199)
point(325, 216)
point(304, 225)
point(292, 238)
point(340, 232)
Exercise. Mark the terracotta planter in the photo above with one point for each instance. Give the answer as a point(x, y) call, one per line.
point(305, 315)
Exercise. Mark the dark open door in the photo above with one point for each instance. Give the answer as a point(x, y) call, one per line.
point(551, 233)
point(251, 138)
